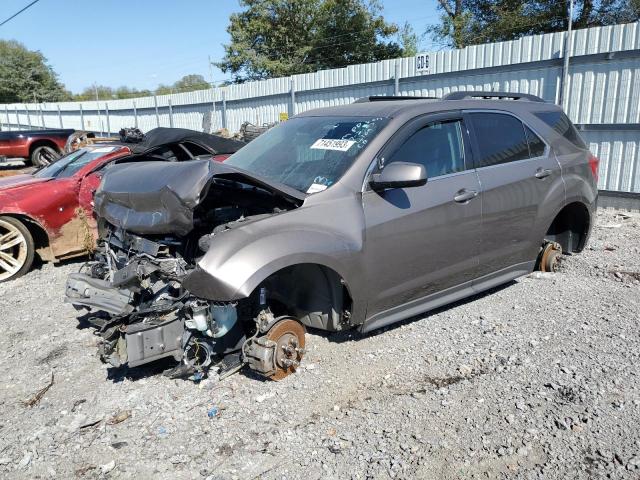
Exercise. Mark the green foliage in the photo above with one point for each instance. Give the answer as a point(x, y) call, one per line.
point(471, 22)
point(188, 83)
point(25, 76)
point(272, 38)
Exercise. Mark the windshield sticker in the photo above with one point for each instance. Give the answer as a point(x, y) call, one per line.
point(316, 187)
point(333, 144)
point(103, 149)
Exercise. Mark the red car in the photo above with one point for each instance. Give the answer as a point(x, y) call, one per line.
point(49, 213)
point(40, 147)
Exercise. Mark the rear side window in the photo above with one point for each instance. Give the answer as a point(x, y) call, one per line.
point(561, 124)
point(536, 145)
point(438, 146)
point(501, 138)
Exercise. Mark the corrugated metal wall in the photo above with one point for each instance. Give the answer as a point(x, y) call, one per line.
point(604, 93)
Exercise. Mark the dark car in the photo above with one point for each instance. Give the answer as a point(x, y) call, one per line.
point(49, 213)
point(353, 216)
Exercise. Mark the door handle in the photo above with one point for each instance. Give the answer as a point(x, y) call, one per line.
point(543, 173)
point(465, 195)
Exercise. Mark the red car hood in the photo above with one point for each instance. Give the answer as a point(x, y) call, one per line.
point(7, 183)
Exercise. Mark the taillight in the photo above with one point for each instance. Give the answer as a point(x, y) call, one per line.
point(593, 164)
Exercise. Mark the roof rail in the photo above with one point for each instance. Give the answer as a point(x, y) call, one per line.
point(384, 98)
point(492, 95)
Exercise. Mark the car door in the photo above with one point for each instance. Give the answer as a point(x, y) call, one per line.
point(516, 170)
point(423, 240)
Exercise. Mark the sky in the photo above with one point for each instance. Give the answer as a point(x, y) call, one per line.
point(144, 43)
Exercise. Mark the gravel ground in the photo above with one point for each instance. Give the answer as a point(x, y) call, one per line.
point(539, 379)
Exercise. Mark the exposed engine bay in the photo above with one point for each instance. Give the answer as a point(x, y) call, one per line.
point(150, 241)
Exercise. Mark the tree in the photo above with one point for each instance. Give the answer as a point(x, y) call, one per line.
point(468, 22)
point(189, 83)
point(272, 38)
point(25, 76)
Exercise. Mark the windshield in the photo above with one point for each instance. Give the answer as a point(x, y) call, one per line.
point(74, 161)
point(308, 153)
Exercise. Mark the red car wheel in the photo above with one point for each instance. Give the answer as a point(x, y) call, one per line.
point(16, 249)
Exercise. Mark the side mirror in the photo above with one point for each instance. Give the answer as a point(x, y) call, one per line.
point(399, 175)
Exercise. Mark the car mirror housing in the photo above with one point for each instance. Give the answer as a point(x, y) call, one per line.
point(399, 175)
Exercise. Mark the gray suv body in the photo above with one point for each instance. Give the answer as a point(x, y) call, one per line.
point(358, 215)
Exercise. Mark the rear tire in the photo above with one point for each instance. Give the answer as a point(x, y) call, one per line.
point(17, 249)
point(43, 156)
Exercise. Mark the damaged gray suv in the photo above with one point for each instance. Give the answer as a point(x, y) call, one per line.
point(353, 216)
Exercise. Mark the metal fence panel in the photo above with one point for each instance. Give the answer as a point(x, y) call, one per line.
point(604, 89)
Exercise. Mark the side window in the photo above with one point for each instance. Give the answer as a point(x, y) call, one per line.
point(501, 138)
point(438, 146)
point(561, 124)
point(536, 145)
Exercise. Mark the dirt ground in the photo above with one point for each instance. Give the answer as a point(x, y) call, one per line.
point(9, 168)
point(539, 379)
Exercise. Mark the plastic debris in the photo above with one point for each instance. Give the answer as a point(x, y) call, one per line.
point(213, 412)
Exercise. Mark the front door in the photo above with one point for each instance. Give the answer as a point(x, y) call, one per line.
point(423, 240)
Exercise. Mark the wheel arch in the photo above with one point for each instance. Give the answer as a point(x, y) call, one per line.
point(571, 226)
point(314, 293)
point(40, 236)
point(43, 142)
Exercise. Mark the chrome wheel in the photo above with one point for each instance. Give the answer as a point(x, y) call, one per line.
point(13, 250)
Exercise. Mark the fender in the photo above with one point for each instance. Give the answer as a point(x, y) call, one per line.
point(240, 259)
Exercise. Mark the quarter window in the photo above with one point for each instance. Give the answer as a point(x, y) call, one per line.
point(501, 138)
point(536, 145)
point(561, 124)
point(438, 146)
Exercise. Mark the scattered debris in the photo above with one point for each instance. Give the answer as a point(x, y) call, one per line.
point(119, 417)
point(213, 412)
point(35, 399)
point(107, 467)
point(82, 470)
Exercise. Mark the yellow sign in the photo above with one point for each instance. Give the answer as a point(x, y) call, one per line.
point(284, 116)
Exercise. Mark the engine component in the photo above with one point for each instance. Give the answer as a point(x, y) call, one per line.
point(143, 342)
point(278, 353)
point(83, 290)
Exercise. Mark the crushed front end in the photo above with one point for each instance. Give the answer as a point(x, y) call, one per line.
point(133, 286)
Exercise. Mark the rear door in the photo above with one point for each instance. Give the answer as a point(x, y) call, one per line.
point(422, 240)
point(517, 173)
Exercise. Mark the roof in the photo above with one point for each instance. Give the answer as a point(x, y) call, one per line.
point(163, 136)
point(412, 106)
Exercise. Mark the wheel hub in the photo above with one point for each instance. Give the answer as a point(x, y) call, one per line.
point(13, 250)
point(550, 258)
point(289, 337)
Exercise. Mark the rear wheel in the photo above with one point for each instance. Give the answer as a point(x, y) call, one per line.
point(43, 156)
point(16, 249)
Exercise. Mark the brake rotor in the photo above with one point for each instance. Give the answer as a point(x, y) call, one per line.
point(288, 335)
point(550, 259)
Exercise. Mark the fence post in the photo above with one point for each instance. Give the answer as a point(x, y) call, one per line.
point(59, 115)
point(224, 108)
point(17, 117)
point(6, 111)
point(135, 114)
point(81, 117)
point(213, 108)
point(170, 114)
point(26, 107)
point(396, 78)
point(292, 91)
point(106, 111)
point(155, 102)
point(41, 116)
